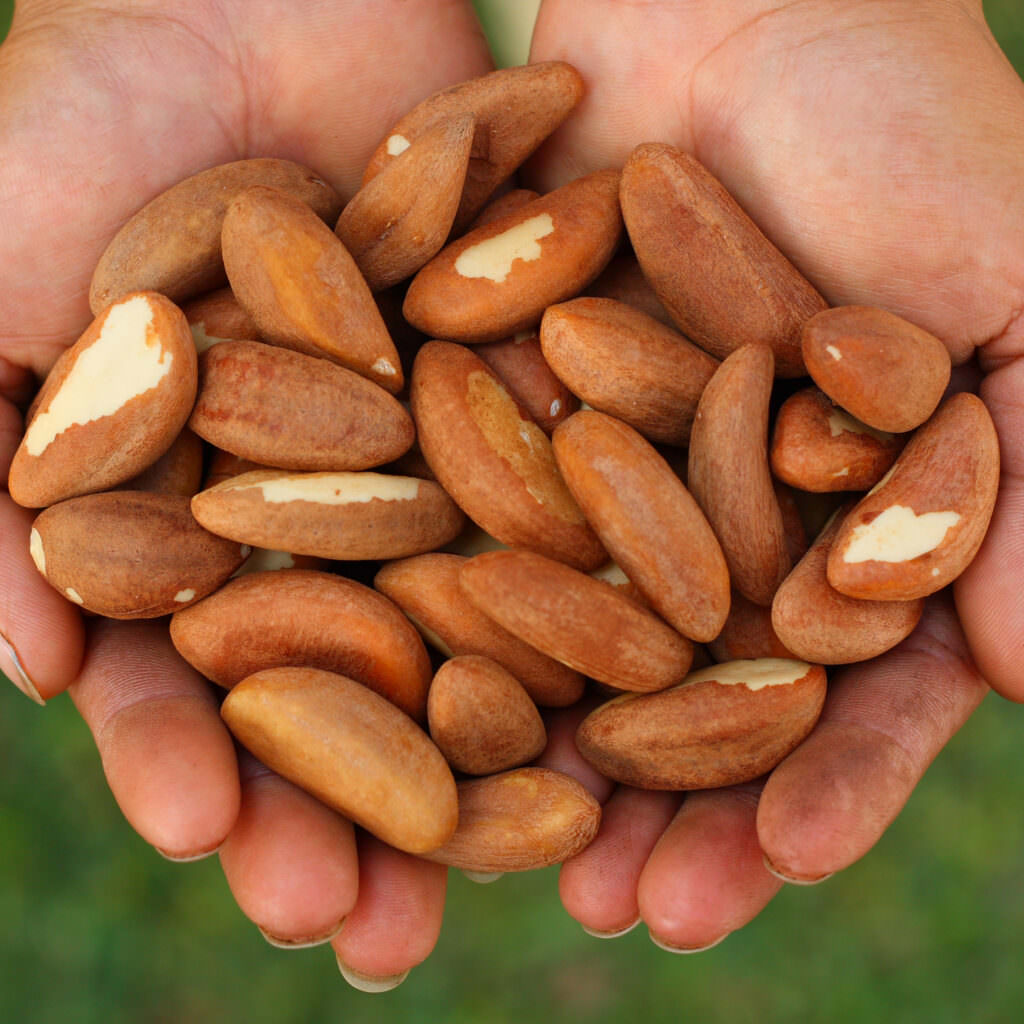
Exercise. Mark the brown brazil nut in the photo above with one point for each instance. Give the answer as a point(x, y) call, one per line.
point(720, 726)
point(350, 748)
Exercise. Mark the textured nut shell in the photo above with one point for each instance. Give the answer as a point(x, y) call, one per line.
point(520, 820)
point(172, 245)
point(218, 316)
point(579, 620)
point(292, 411)
point(303, 290)
point(820, 448)
point(819, 624)
point(624, 281)
point(224, 465)
point(521, 365)
point(307, 620)
point(728, 473)
point(721, 279)
point(585, 228)
point(625, 363)
point(514, 109)
point(516, 199)
point(481, 718)
point(950, 464)
point(701, 734)
point(880, 368)
point(426, 588)
point(378, 528)
point(491, 457)
point(108, 450)
point(401, 218)
point(178, 471)
point(647, 520)
point(131, 554)
point(350, 748)
point(747, 634)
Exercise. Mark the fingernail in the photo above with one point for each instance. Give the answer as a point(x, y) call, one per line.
point(186, 858)
point(790, 879)
point(610, 935)
point(368, 982)
point(12, 667)
point(669, 948)
point(305, 943)
point(483, 877)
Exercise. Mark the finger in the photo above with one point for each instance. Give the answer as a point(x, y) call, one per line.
point(706, 876)
point(883, 723)
point(41, 634)
point(290, 861)
point(396, 920)
point(168, 758)
point(561, 755)
point(988, 593)
point(598, 887)
point(17, 384)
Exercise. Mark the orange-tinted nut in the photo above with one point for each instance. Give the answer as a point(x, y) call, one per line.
point(747, 634)
point(218, 316)
point(178, 471)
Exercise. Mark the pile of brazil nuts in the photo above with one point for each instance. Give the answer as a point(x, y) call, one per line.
point(601, 470)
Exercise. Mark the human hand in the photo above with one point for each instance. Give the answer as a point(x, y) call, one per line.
point(101, 108)
point(880, 145)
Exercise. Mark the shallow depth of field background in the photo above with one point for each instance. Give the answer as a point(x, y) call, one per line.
point(95, 926)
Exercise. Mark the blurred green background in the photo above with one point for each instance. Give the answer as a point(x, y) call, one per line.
point(96, 927)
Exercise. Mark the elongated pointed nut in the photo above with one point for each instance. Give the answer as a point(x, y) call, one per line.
point(400, 219)
point(351, 749)
point(722, 280)
point(500, 278)
point(347, 516)
point(882, 369)
point(310, 620)
point(625, 363)
point(178, 471)
point(516, 199)
point(130, 554)
point(303, 290)
point(647, 520)
point(720, 726)
point(624, 281)
point(520, 820)
point(83, 437)
point(285, 409)
point(514, 110)
point(493, 459)
point(218, 316)
point(729, 476)
point(747, 634)
point(816, 446)
point(819, 624)
point(923, 523)
point(481, 718)
point(581, 621)
point(426, 588)
point(172, 245)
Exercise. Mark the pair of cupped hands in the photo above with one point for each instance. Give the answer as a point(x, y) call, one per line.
point(878, 143)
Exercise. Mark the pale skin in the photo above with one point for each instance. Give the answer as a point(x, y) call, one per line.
point(880, 143)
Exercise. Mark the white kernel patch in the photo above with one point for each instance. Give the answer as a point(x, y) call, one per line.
point(265, 560)
point(494, 257)
point(125, 361)
point(35, 548)
point(899, 534)
point(336, 488)
point(833, 352)
point(556, 407)
point(755, 673)
point(202, 339)
point(384, 368)
point(845, 471)
point(74, 595)
point(188, 594)
point(611, 573)
point(840, 422)
point(397, 144)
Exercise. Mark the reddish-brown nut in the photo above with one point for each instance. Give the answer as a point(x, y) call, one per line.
point(721, 279)
point(520, 820)
point(576, 619)
point(481, 718)
point(310, 620)
point(493, 459)
point(880, 368)
point(130, 554)
point(816, 446)
point(426, 588)
point(218, 316)
point(178, 471)
point(304, 291)
point(83, 438)
point(747, 634)
point(350, 748)
point(624, 281)
point(625, 363)
point(516, 199)
point(923, 523)
point(647, 520)
point(720, 726)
